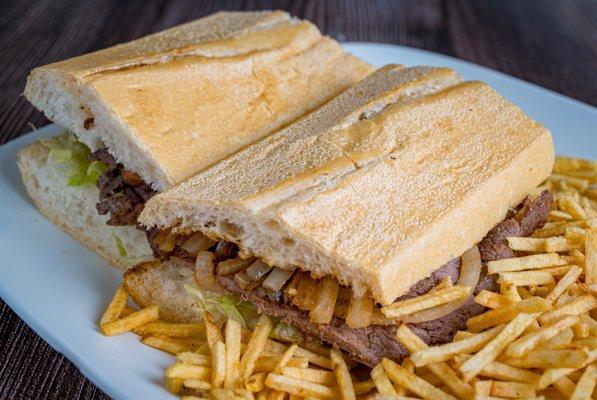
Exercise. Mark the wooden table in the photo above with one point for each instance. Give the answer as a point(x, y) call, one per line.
point(550, 43)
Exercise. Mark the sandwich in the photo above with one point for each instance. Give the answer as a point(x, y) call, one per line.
point(145, 115)
point(380, 207)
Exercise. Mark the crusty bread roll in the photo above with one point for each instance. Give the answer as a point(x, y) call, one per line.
point(163, 283)
point(170, 104)
point(73, 209)
point(379, 187)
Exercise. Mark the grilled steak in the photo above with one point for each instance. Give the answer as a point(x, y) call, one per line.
point(122, 193)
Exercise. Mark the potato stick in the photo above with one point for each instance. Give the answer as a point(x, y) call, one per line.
point(131, 322)
point(482, 388)
point(568, 204)
point(585, 386)
point(255, 346)
point(565, 386)
point(526, 343)
point(511, 331)
point(462, 335)
point(564, 283)
point(501, 371)
point(197, 384)
point(580, 330)
point(442, 370)
point(523, 293)
point(256, 382)
point(510, 291)
point(526, 278)
point(168, 345)
point(529, 244)
point(271, 346)
point(591, 257)
point(314, 359)
point(127, 311)
point(320, 376)
point(116, 306)
point(591, 323)
point(516, 390)
point(382, 382)
point(173, 385)
point(549, 358)
point(551, 375)
point(212, 331)
point(285, 358)
point(233, 336)
point(426, 301)
point(180, 370)
point(525, 263)
point(578, 183)
point(300, 387)
point(505, 314)
point(364, 386)
point(446, 351)
point(413, 383)
point(188, 357)
point(218, 364)
point(558, 229)
point(491, 299)
point(577, 306)
point(560, 244)
point(575, 234)
point(342, 375)
point(557, 215)
point(170, 329)
point(588, 342)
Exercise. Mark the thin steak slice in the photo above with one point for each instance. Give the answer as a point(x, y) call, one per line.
point(369, 345)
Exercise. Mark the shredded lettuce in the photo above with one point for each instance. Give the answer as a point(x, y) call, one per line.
point(119, 245)
point(224, 307)
point(72, 157)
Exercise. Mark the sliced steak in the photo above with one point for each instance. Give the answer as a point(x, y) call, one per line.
point(369, 345)
point(123, 194)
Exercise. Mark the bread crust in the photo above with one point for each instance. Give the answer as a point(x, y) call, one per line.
point(173, 103)
point(72, 209)
point(162, 283)
point(379, 190)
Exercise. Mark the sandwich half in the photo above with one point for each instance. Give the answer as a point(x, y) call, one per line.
point(333, 222)
point(147, 114)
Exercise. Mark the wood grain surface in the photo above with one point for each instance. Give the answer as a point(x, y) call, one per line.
point(547, 42)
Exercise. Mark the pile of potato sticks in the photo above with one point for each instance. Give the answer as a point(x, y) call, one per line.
point(538, 338)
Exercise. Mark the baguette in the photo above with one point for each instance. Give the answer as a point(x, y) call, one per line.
point(172, 103)
point(368, 187)
point(72, 209)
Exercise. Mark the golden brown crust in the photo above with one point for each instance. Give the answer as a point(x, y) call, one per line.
point(73, 210)
point(378, 192)
point(173, 103)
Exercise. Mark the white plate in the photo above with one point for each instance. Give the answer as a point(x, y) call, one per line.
point(60, 288)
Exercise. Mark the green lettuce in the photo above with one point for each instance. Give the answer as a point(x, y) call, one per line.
point(228, 306)
point(119, 245)
point(222, 307)
point(72, 158)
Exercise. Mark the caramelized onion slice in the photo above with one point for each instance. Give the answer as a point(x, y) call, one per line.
point(277, 278)
point(257, 270)
point(196, 243)
point(204, 272)
point(470, 271)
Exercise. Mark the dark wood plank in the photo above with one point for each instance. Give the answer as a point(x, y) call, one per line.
point(548, 42)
